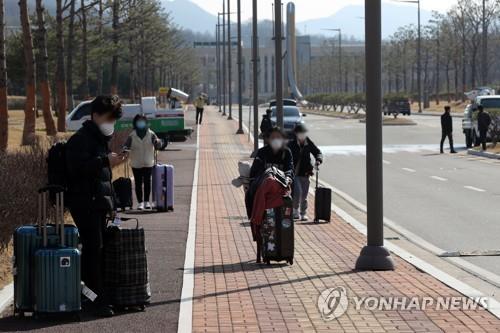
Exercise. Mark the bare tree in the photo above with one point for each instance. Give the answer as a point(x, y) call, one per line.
point(114, 61)
point(70, 52)
point(43, 70)
point(4, 111)
point(62, 101)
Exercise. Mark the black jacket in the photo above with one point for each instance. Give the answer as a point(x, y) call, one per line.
point(302, 156)
point(266, 125)
point(266, 158)
point(446, 123)
point(483, 121)
point(89, 172)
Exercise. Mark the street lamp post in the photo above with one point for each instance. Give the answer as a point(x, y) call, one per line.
point(374, 256)
point(278, 40)
point(229, 61)
point(217, 55)
point(223, 57)
point(255, 88)
point(240, 83)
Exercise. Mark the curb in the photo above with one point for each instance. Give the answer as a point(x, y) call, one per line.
point(409, 123)
point(484, 154)
point(6, 296)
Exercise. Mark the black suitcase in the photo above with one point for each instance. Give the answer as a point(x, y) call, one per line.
point(123, 191)
point(277, 232)
point(126, 275)
point(322, 202)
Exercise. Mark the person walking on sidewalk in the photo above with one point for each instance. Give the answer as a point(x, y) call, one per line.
point(141, 145)
point(199, 104)
point(483, 123)
point(447, 129)
point(266, 125)
point(302, 148)
point(89, 163)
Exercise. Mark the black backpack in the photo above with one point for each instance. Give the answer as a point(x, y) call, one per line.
point(57, 172)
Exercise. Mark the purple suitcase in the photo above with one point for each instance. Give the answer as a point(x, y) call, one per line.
point(163, 187)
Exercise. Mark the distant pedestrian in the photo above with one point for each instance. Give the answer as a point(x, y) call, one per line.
point(483, 123)
point(266, 125)
point(199, 104)
point(141, 145)
point(302, 148)
point(447, 129)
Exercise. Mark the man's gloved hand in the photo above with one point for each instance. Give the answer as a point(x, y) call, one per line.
point(319, 162)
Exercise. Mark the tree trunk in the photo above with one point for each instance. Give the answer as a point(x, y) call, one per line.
point(4, 112)
point(84, 88)
point(69, 56)
point(29, 79)
point(62, 101)
point(43, 74)
point(114, 61)
point(100, 66)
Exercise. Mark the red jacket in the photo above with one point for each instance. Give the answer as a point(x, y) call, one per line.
point(269, 195)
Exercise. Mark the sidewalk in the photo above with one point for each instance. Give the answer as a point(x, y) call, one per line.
point(165, 240)
point(234, 294)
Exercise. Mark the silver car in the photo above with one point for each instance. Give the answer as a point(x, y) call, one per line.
point(291, 117)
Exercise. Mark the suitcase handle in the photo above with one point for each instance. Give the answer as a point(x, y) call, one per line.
point(125, 219)
point(317, 176)
point(58, 215)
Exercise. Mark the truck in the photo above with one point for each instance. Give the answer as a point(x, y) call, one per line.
point(469, 122)
point(167, 121)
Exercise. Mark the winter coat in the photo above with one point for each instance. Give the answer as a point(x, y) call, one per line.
point(446, 123)
point(302, 156)
point(266, 158)
point(89, 171)
point(142, 151)
point(483, 121)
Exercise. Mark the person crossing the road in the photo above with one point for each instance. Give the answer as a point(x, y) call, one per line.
point(447, 129)
point(483, 123)
point(302, 148)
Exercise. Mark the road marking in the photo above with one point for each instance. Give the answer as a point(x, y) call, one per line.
point(386, 162)
point(409, 170)
point(439, 178)
point(185, 324)
point(472, 188)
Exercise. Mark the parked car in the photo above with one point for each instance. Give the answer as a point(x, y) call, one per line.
point(469, 122)
point(395, 106)
point(286, 102)
point(291, 118)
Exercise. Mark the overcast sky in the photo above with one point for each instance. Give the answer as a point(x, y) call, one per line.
point(307, 9)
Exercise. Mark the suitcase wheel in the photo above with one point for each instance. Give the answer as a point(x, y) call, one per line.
point(290, 261)
point(267, 261)
point(142, 308)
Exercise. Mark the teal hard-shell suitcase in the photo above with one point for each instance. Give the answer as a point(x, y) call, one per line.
point(57, 276)
point(27, 240)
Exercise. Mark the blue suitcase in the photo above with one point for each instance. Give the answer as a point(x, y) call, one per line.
point(28, 239)
point(57, 278)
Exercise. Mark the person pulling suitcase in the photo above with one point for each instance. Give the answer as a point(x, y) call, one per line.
point(302, 148)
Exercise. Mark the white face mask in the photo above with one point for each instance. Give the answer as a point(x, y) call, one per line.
point(276, 144)
point(107, 129)
point(301, 136)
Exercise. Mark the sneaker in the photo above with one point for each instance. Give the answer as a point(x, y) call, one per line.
point(296, 215)
point(304, 217)
point(140, 206)
point(453, 152)
point(147, 205)
point(104, 311)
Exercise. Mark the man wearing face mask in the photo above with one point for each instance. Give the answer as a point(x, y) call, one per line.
point(302, 148)
point(274, 154)
point(89, 163)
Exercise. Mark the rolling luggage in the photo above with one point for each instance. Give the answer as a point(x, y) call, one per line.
point(123, 191)
point(126, 276)
point(277, 232)
point(322, 202)
point(57, 268)
point(163, 186)
point(28, 239)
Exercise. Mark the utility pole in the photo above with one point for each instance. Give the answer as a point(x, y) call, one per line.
point(278, 42)
point(224, 57)
point(240, 83)
point(229, 61)
point(255, 88)
point(419, 61)
point(374, 256)
point(485, 47)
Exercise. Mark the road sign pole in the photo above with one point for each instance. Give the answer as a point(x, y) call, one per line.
point(229, 61)
point(374, 256)
point(278, 41)
point(224, 86)
point(255, 86)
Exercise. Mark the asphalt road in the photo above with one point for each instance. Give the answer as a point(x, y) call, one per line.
point(448, 200)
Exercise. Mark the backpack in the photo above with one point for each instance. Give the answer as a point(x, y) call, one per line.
point(57, 174)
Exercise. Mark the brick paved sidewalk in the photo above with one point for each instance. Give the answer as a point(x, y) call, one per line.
point(234, 294)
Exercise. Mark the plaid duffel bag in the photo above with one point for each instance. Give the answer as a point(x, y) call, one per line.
point(126, 276)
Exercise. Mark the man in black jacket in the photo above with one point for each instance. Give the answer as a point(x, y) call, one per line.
point(302, 148)
point(447, 129)
point(266, 125)
point(483, 123)
point(89, 163)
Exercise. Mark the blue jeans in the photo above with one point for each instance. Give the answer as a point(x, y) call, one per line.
point(300, 192)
